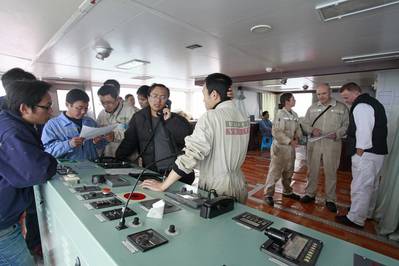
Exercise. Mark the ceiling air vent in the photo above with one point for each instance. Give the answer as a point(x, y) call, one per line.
point(193, 46)
point(343, 8)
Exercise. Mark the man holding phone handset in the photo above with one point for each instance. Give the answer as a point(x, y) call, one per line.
point(217, 147)
point(155, 133)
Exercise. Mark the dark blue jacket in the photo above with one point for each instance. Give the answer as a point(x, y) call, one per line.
point(23, 163)
point(2, 102)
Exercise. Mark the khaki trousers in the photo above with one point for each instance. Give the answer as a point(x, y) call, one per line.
point(281, 166)
point(330, 151)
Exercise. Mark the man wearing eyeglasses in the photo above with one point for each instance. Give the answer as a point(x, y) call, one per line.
point(115, 112)
point(217, 147)
point(23, 163)
point(32, 237)
point(61, 134)
point(155, 133)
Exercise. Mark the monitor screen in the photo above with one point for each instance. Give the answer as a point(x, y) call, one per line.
point(293, 248)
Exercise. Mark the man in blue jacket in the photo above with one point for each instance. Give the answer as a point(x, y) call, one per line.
point(32, 236)
point(61, 134)
point(23, 163)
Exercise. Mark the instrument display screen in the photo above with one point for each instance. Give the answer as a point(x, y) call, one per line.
point(293, 248)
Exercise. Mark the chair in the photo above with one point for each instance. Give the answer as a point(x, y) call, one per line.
point(266, 143)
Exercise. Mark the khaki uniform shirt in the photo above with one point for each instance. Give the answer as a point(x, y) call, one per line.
point(335, 119)
point(285, 127)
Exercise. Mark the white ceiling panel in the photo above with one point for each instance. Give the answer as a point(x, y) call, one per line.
point(27, 25)
point(159, 30)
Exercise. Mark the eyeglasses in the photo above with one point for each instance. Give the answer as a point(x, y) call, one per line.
point(109, 103)
point(47, 107)
point(160, 97)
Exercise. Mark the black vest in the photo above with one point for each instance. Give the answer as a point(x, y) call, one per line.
point(380, 130)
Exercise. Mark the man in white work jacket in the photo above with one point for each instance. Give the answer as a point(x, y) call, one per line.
point(115, 112)
point(217, 147)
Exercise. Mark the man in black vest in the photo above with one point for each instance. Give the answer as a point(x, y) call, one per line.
point(367, 144)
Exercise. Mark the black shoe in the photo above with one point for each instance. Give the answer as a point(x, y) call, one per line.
point(307, 199)
point(292, 196)
point(331, 206)
point(342, 219)
point(269, 201)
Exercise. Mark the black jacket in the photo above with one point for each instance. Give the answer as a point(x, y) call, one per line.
point(380, 130)
point(139, 136)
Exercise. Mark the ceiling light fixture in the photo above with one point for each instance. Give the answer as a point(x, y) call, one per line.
point(142, 77)
point(371, 57)
point(261, 28)
point(272, 86)
point(132, 63)
point(342, 8)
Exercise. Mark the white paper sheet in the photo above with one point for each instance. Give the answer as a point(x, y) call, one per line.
point(157, 210)
point(321, 137)
point(92, 132)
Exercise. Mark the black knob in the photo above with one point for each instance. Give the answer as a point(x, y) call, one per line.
point(77, 261)
point(136, 221)
point(183, 189)
point(172, 229)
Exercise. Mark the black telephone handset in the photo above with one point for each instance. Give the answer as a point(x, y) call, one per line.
point(167, 105)
point(217, 206)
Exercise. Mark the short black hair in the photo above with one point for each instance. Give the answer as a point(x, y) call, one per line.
point(220, 83)
point(154, 85)
point(127, 96)
point(115, 83)
point(143, 91)
point(29, 92)
point(75, 95)
point(15, 74)
point(108, 90)
point(351, 86)
point(265, 112)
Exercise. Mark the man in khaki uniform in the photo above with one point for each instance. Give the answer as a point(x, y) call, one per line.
point(333, 122)
point(286, 132)
point(217, 147)
point(115, 112)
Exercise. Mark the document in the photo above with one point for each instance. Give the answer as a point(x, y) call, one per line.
point(313, 139)
point(92, 132)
